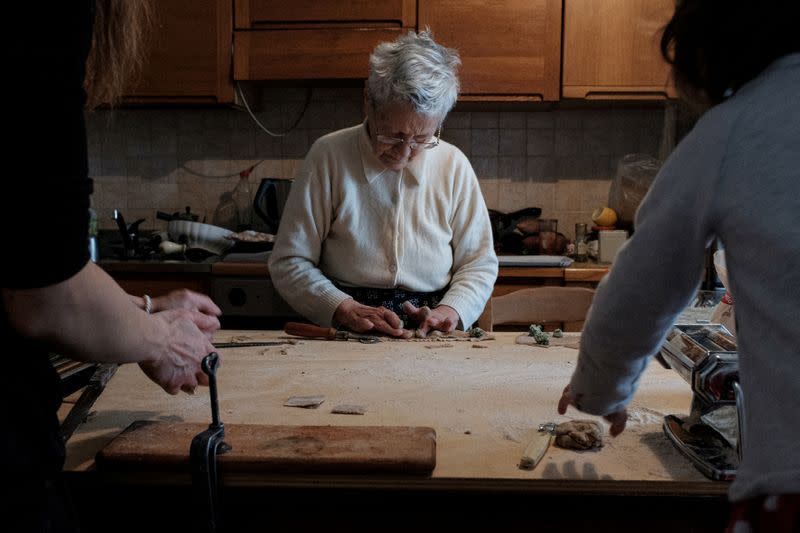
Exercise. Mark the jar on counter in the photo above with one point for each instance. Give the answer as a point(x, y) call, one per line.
point(581, 246)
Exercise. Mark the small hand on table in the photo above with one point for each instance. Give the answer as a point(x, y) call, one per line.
point(441, 318)
point(617, 419)
point(363, 318)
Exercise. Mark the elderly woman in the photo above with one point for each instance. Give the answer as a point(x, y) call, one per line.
point(385, 225)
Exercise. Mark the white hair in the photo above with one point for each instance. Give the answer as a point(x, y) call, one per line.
point(417, 70)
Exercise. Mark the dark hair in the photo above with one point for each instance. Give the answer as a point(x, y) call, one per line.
point(716, 45)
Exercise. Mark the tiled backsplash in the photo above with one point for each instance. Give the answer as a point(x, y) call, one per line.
point(561, 160)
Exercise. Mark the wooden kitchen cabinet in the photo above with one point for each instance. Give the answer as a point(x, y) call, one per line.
point(190, 56)
point(159, 285)
point(314, 39)
point(510, 50)
point(611, 49)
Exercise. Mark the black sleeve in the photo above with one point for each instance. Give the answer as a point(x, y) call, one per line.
point(44, 222)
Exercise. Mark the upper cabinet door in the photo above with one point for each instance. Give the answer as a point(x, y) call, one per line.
point(314, 39)
point(254, 14)
point(510, 49)
point(612, 49)
point(189, 60)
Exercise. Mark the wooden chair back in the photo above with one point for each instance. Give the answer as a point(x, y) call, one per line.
point(553, 307)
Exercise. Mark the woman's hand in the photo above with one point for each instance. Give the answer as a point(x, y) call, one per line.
point(363, 318)
point(617, 419)
point(178, 367)
point(186, 299)
point(442, 318)
point(192, 301)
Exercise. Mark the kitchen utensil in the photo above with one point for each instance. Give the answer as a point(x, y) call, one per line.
point(160, 446)
point(312, 331)
point(203, 452)
point(222, 345)
point(192, 254)
point(198, 235)
point(183, 228)
point(177, 215)
point(537, 447)
point(250, 241)
point(270, 199)
point(705, 357)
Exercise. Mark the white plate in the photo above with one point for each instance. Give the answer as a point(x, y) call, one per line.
point(535, 260)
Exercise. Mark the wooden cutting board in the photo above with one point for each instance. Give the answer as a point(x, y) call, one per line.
point(164, 446)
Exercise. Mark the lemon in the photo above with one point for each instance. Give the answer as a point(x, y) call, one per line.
point(604, 216)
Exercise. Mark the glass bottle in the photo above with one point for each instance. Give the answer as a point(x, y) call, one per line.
point(581, 246)
point(243, 198)
point(93, 253)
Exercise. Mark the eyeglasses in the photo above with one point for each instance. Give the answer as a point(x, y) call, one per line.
point(412, 144)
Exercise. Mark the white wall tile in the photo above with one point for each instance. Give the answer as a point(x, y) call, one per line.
point(561, 160)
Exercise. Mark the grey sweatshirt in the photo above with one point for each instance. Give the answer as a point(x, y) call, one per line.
point(735, 177)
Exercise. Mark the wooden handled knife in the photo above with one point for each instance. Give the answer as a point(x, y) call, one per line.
point(315, 332)
point(309, 330)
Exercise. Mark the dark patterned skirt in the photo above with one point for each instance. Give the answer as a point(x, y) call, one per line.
point(393, 299)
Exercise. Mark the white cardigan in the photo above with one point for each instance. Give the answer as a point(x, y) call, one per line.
point(350, 220)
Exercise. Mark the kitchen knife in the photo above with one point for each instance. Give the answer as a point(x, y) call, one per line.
point(313, 332)
point(247, 344)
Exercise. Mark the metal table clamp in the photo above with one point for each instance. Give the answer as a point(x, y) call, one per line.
point(203, 454)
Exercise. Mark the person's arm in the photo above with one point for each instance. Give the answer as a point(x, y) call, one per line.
point(654, 277)
point(293, 262)
point(90, 318)
point(475, 264)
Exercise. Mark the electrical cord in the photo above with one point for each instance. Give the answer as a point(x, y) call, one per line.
point(309, 92)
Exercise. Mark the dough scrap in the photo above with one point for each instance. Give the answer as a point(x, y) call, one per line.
point(579, 435)
point(349, 409)
point(309, 402)
point(564, 342)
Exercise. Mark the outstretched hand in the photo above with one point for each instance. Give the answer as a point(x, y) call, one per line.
point(363, 318)
point(617, 419)
point(442, 318)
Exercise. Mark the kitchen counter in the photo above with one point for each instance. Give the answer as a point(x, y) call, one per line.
point(484, 404)
point(591, 272)
point(136, 266)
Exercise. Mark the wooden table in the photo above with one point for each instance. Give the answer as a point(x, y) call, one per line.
point(484, 404)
